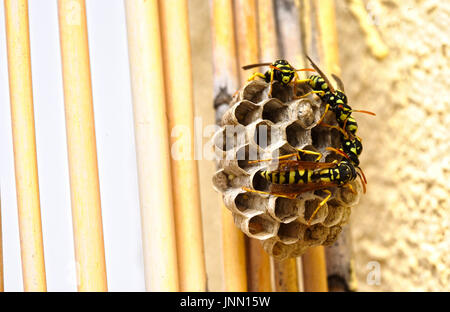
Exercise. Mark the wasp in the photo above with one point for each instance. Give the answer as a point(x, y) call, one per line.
point(335, 100)
point(280, 71)
point(295, 176)
point(352, 148)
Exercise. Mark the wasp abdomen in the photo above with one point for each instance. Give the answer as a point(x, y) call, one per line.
point(301, 176)
point(288, 177)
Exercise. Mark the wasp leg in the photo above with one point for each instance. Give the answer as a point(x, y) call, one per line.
point(255, 75)
point(318, 154)
point(345, 133)
point(307, 81)
point(288, 196)
point(295, 85)
point(321, 93)
point(337, 151)
point(269, 159)
point(345, 129)
point(350, 187)
point(303, 81)
point(323, 202)
point(271, 83)
point(324, 113)
point(296, 81)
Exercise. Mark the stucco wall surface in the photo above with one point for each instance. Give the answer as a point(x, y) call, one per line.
point(402, 223)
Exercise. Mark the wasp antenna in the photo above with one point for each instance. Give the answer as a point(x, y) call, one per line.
point(274, 67)
point(342, 153)
point(255, 65)
point(363, 111)
point(362, 182)
point(363, 175)
point(306, 69)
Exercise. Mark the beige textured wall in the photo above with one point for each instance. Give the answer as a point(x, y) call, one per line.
point(402, 223)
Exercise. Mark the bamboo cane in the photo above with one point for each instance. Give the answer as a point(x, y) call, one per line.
point(246, 34)
point(340, 264)
point(2, 284)
point(152, 145)
point(82, 151)
point(339, 257)
point(226, 80)
point(300, 277)
point(269, 48)
point(295, 33)
point(24, 142)
point(179, 100)
point(285, 272)
point(328, 38)
point(290, 33)
point(321, 43)
point(258, 269)
point(234, 254)
point(286, 275)
point(314, 270)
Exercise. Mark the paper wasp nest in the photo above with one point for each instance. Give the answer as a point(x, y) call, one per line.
point(258, 127)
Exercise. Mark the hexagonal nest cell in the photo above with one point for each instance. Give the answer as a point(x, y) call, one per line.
point(260, 127)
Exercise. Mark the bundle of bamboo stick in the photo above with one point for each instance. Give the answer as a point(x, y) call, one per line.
point(244, 32)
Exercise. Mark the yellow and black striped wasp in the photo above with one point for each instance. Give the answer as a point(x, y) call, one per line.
point(293, 177)
point(335, 100)
point(280, 71)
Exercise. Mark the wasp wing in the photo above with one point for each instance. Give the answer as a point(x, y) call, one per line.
point(289, 164)
point(293, 190)
point(321, 74)
point(339, 82)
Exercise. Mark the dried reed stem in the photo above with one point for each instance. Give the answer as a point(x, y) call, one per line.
point(318, 22)
point(246, 34)
point(233, 254)
point(267, 32)
point(285, 275)
point(258, 268)
point(24, 142)
point(152, 145)
point(289, 31)
point(180, 107)
point(340, 271)
point(340, 265)
point(226, 81)
point(328, 37)
point(314, 270)
point(2, 281)
point(81, 146)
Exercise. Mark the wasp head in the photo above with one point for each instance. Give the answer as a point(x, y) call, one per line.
point(283, 71)
point(347, 172)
